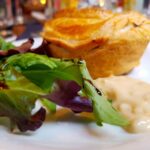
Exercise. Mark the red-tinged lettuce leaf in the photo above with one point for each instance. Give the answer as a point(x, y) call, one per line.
point(66, 94)
point(17, 100)
point(7, 49)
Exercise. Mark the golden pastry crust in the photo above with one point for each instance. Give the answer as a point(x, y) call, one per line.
point(84, 13)
point(73, 33)
point(110, 46)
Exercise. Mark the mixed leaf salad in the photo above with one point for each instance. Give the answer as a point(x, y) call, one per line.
point(28, 75)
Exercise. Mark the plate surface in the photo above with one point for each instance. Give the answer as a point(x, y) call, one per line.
point(65, 131)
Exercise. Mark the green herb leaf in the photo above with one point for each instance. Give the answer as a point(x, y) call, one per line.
point(49, 105)
point(103, 110)
point(5, 45)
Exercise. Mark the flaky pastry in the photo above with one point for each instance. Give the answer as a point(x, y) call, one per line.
point(110, 43)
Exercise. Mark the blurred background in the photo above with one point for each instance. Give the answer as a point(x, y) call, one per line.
point(21, 19)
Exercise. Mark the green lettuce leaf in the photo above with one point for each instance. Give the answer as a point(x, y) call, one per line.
point(43, 71)
point(5, 45)
point(103, 110)
point(50, 106)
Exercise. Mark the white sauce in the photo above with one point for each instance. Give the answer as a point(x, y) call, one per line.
point(131, 97)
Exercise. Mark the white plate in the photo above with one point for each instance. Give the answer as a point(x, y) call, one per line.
point(65, 131)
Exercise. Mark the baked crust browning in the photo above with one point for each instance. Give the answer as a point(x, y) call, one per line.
point(110, 45)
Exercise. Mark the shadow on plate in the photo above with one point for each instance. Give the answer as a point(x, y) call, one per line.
point(65, 115)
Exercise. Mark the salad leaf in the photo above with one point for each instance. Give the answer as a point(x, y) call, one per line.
point(49, 105)
point(17, 99)
point(5, 45)
point(44, 72)
point(71, 78)
point(66, 95)
point(27, 76)
point(47, 69)
point(8, 49)
point(103, 110)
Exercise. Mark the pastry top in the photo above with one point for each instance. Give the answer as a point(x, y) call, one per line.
point(73, 33)
point(74, 29)
point(110, 43)
point(84, 13)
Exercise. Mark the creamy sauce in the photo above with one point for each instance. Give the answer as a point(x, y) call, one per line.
point(131, 97)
